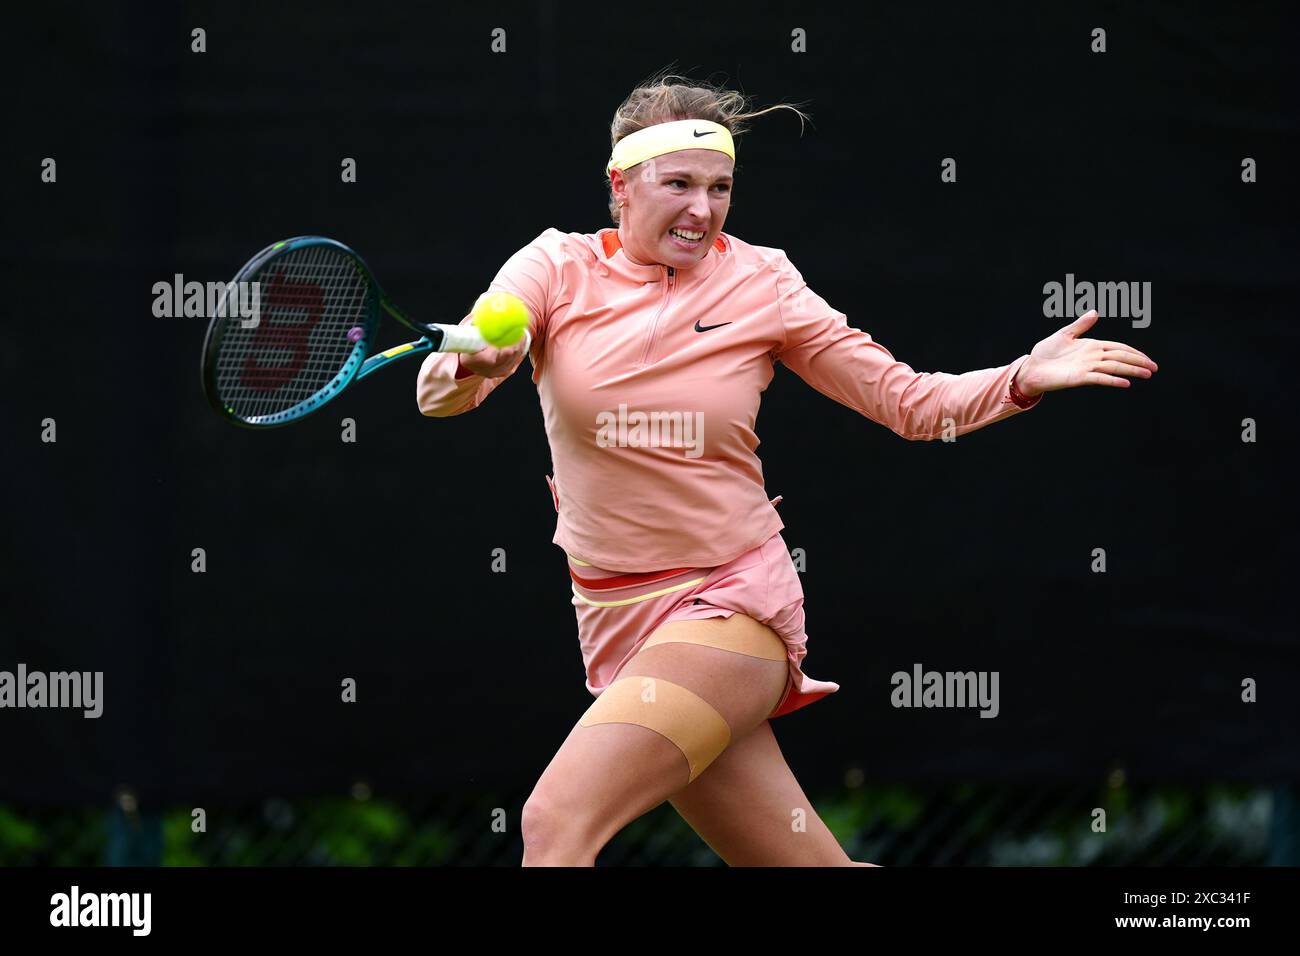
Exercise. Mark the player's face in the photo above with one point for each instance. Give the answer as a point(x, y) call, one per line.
point(685, 190)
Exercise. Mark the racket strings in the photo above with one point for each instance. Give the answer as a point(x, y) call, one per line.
point(311, 298)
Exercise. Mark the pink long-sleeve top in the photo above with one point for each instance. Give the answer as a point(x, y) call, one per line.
point(650, 379)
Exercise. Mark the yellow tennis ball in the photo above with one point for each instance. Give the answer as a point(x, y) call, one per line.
point(501, 317)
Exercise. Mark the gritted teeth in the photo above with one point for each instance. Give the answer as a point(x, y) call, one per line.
point(686, 234)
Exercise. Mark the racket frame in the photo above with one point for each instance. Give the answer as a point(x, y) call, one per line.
point(356, 367)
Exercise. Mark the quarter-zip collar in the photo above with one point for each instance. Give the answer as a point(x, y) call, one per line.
point(615, 258)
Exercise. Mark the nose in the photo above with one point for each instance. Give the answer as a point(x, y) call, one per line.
point(699, 207)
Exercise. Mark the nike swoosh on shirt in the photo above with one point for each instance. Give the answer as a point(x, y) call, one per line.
point(705, 328)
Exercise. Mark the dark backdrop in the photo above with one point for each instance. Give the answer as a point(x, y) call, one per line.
point(329, 560)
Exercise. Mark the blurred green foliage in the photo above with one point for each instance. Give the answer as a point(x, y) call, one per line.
point(894, 825)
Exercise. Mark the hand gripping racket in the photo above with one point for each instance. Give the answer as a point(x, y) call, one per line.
point(320, 309)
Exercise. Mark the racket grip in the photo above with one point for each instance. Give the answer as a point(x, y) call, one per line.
point(460, 338)
point(467, 338)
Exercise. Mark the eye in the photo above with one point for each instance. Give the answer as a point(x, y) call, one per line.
point(722, 186)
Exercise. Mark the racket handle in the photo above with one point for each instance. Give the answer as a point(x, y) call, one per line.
point(457, 338)
point(465, 338)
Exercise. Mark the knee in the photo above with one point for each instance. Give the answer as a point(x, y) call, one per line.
point(554, 835)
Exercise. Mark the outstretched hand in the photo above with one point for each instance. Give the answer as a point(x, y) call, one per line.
point(1064, 360)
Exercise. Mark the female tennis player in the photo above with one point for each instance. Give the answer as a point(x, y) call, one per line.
point(651, 345)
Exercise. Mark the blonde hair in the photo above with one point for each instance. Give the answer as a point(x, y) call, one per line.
point(666, 97)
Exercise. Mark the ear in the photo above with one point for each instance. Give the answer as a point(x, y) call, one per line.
point(618, 185)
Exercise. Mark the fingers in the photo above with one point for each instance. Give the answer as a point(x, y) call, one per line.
point(1114, 350)
point(493, 362)
point(1100, 378)
point(1128, 353)
point(1131, 369)
point(485, 362)
point(500, 362)
point(1117, 368)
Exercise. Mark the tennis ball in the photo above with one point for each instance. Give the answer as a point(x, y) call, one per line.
point(501, 317)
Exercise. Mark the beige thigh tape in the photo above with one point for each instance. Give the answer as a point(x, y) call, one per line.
point(751, 641)
point(685, 718)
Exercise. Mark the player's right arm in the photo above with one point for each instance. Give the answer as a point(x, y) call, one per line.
point(450, 383)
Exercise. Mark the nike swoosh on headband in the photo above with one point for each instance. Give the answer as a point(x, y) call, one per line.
point(705, 328)
point(698, 134)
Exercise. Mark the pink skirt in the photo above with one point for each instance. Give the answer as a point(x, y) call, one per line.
point(618, 611)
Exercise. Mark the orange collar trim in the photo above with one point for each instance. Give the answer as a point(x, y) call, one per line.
point(612, 243)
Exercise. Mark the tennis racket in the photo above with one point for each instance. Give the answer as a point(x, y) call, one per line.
point(319, 315)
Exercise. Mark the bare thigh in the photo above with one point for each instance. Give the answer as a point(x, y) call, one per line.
point(606, 775)
point(750, 809)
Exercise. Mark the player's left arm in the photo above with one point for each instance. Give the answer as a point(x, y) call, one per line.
point(849, 366)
